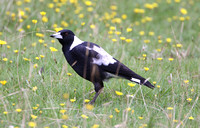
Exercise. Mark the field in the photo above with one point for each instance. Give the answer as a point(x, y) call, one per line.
point(158, 39)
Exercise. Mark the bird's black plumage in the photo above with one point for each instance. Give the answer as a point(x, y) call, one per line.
point(93, 63)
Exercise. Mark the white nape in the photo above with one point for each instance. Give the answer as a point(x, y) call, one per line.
point(103, 57)
point(76, 42)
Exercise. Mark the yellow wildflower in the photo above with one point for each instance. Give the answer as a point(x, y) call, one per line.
point(118, 93)
point(34, 88)
point(92, 26)
point(5, 112)
point(42, 13)
point(5, 59)
point(129, 40)
point(88, 3)
point(122, 38)
point(65, 117)
point(129, 29)
point(53, 49)
point(3, 82)
point(131, 84)
point(141, 33)
point(44, 19)
point(35, 65)
point(117, 110)
point(86, 101)
point(140, 117)
point(2, 42)
point(33, 116)
point(170, 59)
point(95, 126)
point(72, 100)
point(183, 11)
point(32, 124)
point(168, 40)
point(84, 116)
point(169, 108)
point(34, 21)
point(189, 99)
point(18, 110)
point(110, 116)
point(159, 58)
point(146, 68)
point(191, 118)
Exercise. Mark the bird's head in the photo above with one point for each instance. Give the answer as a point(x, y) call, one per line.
point(64, 36)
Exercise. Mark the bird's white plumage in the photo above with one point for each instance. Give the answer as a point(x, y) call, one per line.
point(76, 42)
point(103, 57)
point(135, 80)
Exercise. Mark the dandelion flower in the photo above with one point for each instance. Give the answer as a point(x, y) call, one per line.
point(5, 112)
point(44, 19)
point(89, 107)
point(169, 108)
point(64, 117)
point(86, 101)
point(117, 110)
point(35, 65)
point(189, 99)
point(183, 11)
point(186, 81)
point(65, 95)
point(2, 42)
point(110, 116)
point(34, 88)
point(131, 84)
point(33, 116)
point(191, 118)
point(34, 21)
point(5, 59)
point(72, 100)
point(129, 29)
point(62, 111)
point(159, 58)
point(141, 33)
point(53, 49)
point(62, 104)
point(128, 109)
point(146, 68)
point(32, 124)
point(118, 93)
point(179, 45)
point(84, 116)
point(170, 59)
point(18, 110)
point(140, 117)
point(64, 126)
point(95, 126)
point(122, 38)
point(42, 13)
point(92, 26)
point(168, 40)
point(69, 74)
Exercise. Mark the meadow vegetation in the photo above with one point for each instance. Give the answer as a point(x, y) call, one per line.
point(158, 39)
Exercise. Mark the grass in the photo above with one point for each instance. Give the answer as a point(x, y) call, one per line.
point(38, 91)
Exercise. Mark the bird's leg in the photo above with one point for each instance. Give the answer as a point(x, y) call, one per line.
point(98, 88)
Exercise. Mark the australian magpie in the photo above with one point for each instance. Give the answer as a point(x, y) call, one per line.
point(93, 63)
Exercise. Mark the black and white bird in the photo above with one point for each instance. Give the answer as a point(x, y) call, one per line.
point(93, 63)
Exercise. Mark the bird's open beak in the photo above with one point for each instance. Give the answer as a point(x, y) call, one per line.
point(57, 36)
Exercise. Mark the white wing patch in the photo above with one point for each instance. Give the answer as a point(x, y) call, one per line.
point(135, 80)
point(76, 42)
point(104, 57)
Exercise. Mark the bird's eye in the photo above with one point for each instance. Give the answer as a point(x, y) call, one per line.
point(66, 34)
